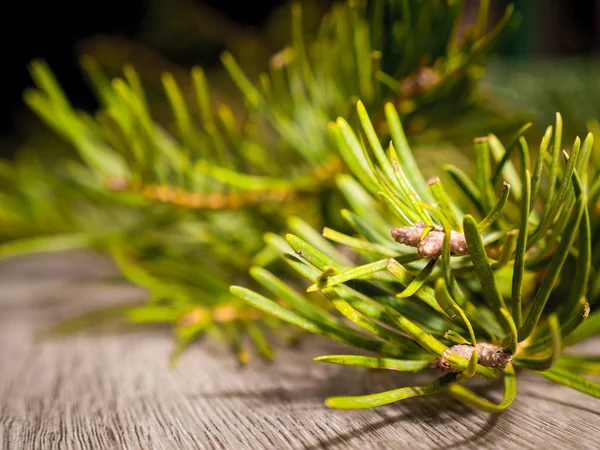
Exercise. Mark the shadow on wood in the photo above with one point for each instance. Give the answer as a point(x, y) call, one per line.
point(115, 390)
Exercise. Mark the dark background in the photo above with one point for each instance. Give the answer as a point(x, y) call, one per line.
point(52, 31)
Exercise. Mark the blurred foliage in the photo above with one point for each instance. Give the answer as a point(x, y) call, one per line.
point(181, 196)
point(539, 87)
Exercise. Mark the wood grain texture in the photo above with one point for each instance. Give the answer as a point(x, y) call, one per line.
point(114, 390)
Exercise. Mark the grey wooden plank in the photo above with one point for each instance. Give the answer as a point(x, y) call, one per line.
point(114, 390)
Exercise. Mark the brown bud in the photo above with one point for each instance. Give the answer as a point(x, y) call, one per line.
point(430, 245)
point(488, 355)
point(407, 235)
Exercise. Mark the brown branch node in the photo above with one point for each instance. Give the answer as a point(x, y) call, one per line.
point(488, 355)
point(430, 245)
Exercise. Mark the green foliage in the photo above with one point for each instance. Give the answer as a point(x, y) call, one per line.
point(448, 294)
point(541, 86)
point(182, 206)
point(499, 271)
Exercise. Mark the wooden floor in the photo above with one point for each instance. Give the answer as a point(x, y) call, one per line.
point(114, 390)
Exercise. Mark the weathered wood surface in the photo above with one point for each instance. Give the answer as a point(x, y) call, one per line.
point(114, 390)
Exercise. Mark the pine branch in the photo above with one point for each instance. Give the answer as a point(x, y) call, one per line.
point(496, 329)
point(195, 195)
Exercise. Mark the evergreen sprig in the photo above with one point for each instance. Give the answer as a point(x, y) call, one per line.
point(502, 276)
point(182, 206)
